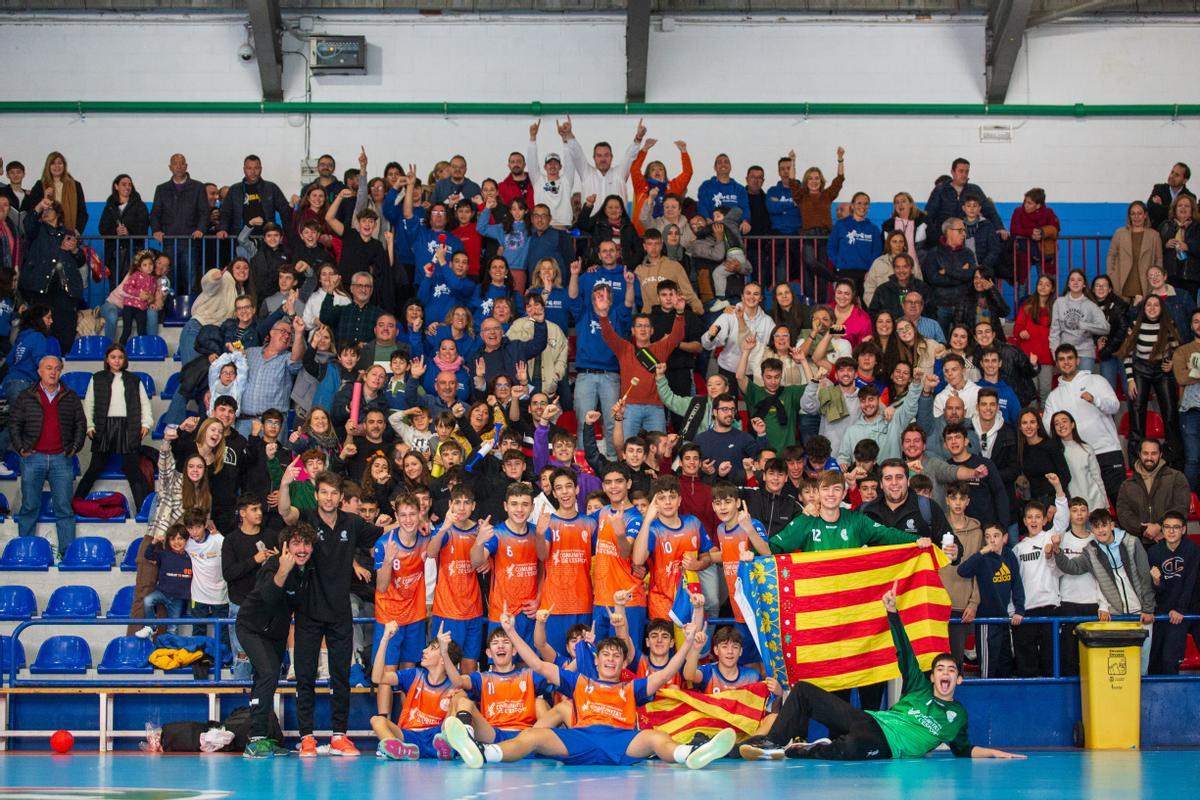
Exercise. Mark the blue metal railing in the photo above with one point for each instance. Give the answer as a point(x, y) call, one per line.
point(220, 624)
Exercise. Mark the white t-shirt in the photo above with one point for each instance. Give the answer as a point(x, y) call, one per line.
point(208, 584)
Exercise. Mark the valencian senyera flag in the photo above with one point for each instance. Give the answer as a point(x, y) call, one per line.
point(819, 616)
point(681, 713)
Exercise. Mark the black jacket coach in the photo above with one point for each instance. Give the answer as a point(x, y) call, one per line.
point(910, 517)
point(327, 597)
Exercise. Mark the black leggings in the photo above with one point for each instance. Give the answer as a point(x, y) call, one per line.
point(339, 639)
point(266, 656)
point(130, 464)
point(1147, 377)
point(856, 735)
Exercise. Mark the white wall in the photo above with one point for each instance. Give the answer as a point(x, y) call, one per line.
point(526, 58)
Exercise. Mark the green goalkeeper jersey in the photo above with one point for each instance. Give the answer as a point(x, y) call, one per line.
point(853, 529)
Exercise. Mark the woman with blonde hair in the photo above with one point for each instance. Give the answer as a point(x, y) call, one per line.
point(915, 349)
point(906, 218)
point(58, 184)
point(546, 279)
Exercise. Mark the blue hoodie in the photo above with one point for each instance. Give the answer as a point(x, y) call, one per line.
point(445, 290)
point(713, 194)
point(785, 214)
point(853, 244)
point(424, 242)
point(515, 243)
point(393, 212)
point(1010, 405)
point(591, 351)
point(483, 304)
point(30, 348)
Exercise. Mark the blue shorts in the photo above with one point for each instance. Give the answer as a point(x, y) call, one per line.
point(423, 740)
point(749, 651)
point(523, 624)
point(503, 735)
point(556, 630)
point(468, 633)
point(596, 745)
point(406, 645)
point(635, 618)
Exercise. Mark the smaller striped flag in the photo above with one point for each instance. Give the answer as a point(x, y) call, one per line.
point(682, 713)
point(689, 584)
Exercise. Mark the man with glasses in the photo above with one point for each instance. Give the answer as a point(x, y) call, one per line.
point(457, 186)
point(270, 372)
point(723, 447)
point(950, 269)
point(356, 321)
point(549, 242)
point(913, 310)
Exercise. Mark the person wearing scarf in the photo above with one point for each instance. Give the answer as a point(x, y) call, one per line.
point(778, 406)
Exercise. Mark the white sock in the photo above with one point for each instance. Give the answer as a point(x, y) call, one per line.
point(493, 753)
point(682, 752)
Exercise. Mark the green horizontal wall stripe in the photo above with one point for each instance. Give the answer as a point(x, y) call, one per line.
point(561, 109)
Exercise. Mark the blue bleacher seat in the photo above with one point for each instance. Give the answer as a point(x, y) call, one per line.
point(62, 655)
point(358, 675)
point(4, 660)
point(73, 602)
point(88, 554)
point(146, 348)
point(28, 554)
point(126, 655)
point(13, 461)
point(171, 387)
point(77, 382)
point(143, 516)
point(161, 425)
point(5, 508)
point(89, 348)
point(17, 602)
point(122, 604)
point(148, 382)
point(176, 358)
point(129, 562)
point(179, 311)
point(113, 468)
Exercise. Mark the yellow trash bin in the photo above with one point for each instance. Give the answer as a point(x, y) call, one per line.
point(1110, 678)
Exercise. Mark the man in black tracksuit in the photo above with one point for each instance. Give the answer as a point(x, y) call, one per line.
point(324, 611)
point(770, 504)
point(263, 622)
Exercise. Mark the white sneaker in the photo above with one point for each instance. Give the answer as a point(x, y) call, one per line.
point(145, 633)
point(5, 471)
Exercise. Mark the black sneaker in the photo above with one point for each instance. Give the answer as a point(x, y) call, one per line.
point(760, 748)
point(801, 749)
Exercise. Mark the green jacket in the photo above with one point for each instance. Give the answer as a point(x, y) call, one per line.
point(778, 435)
point(853, 529)
point(919, 722)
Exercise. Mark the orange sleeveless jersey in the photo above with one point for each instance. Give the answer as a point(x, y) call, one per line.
point(730, 556)
point(457, 593)
point(610, 572)
point(568, 583)
point(404, 600)
point(509, 701)
point(668, 546)
point(425, 706)
point(604, 704)
point(514, 570)
point(645, 669)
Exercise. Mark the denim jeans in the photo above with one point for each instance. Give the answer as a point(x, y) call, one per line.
point(644, 417)
point(36, 470)
point(241, 664)
point(187, 341)
point(177, 411)
point(597, 391)
point(1189, 423)
point(175, 607)
point(111, 314)
point(210, 611)
point(1088, 364)
point(1113, 371)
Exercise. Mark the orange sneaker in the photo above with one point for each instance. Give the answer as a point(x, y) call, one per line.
point(342, 746)
point(308, 747)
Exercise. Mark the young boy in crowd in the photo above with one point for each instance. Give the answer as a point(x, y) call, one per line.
point(604, 729)
point(736, 533)
point(565, 540)
point(557, 448)
point(427, 690)
point(670, 543)
point(997, 574)
point(400, 556)
point(1080, 596)
point(1033, 645)
point(499, 704)
point(457, 601)
point(1174, 565)
point(922, 485)
point(512, 548)
point(227, 377)
point(964, 594)
point(173, 590)
point(242, 556)
point(210, 595)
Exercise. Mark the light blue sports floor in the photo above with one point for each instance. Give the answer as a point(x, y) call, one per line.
point(1053, 775)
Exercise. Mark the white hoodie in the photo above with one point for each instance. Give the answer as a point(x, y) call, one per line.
point(1093, 419)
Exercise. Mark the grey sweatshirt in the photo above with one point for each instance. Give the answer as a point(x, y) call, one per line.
point(1075, 322)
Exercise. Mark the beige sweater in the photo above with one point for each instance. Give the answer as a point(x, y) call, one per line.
point(218, 291)
point(963, 592)
point(666, 269)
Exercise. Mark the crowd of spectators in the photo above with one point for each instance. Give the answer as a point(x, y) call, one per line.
point(585, 320)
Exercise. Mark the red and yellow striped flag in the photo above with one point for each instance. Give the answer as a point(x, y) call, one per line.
point(820, 619)
point(681, 713)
